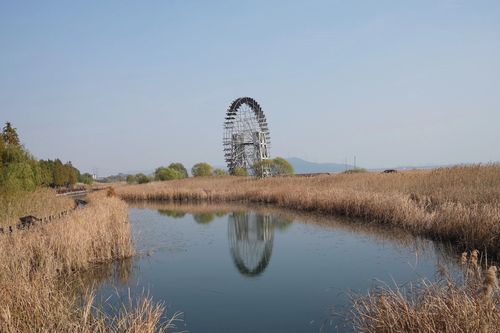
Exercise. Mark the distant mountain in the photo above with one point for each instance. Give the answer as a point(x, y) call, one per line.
point(303, 166)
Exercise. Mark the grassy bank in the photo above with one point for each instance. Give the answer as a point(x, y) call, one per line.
point(460, 204)
point(39, 266)
point(467, 304)
point(42, 202)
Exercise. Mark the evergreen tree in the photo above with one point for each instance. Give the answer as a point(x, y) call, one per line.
point(9, 135)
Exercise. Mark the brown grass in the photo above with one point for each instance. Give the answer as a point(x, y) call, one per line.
point(40, 266)
point(41, 203)
point(460, 204)
point(468, 304)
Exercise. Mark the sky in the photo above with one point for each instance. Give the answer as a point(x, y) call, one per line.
point(125, 86)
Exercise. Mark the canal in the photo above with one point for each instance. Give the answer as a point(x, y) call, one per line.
point(258, 269)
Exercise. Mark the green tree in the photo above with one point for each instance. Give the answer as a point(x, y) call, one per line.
point(142, 178)
point(180, 168)
point(71, 174)
point(282, 167)
point(167, 174)
point(9, 135)
point(19, 170)
point(59, 174)
point(131, 179)
point(202, 170)
point(47, 174)
point(86, 178)
point(239, 172)
point(37, 172)
point(260, 167)
point(14, 154)
point(18, 177)
point(220, 172)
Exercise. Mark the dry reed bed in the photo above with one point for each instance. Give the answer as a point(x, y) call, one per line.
point(467, 304)
point(37, 271)
point(460, 204)
point(41, 203)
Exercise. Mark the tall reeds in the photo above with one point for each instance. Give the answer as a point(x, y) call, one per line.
point(41, 203)
point(470, 303)
point(39, 268)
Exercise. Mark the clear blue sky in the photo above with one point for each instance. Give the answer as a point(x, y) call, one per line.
point(131, 85)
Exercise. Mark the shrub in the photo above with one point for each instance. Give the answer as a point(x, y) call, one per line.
point(131, 179)
point(220, 172)
point(180, 168)
point(86, 178)
point(239, 172)
point(167, 174)
point(260, 167)
point(142, 178)
point(202, 170)
point(282, 167)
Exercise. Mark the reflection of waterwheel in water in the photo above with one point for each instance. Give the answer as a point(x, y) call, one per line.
point(250, 241)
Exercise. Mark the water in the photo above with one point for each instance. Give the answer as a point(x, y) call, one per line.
point(254, 270)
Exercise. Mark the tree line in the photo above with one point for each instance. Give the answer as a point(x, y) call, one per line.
point(277, 166)
point(21, 171)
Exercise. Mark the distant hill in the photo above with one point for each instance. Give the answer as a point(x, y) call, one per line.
point(303, 166)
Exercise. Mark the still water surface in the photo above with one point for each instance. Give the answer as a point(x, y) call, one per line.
point(253, 270)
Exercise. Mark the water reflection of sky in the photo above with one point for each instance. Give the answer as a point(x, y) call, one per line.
point(244, 271)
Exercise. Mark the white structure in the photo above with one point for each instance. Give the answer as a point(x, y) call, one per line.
point(246, 136)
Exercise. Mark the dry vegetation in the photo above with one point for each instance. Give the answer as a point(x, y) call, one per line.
point(40, 266)
point(43, 202)
point(469, 304)
point(460, 204)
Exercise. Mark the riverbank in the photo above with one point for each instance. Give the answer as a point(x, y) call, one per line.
point(40, 203)
point(459, 204)
point(466, 304)
point(39, 266)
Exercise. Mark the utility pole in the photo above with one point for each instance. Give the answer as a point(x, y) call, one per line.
point(354, 162)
